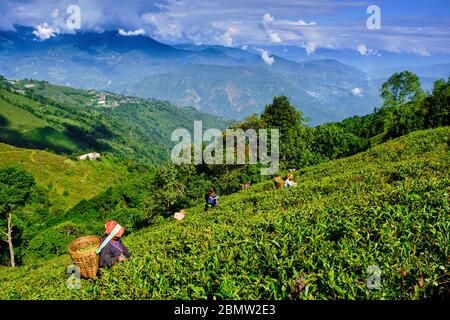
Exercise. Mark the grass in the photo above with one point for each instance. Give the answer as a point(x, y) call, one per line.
point(388, 206)
point(22, 128)
point(67, 181)
point(19, 119)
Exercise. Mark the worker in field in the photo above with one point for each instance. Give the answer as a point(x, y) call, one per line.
point(246, 185)
point(211, 198)
point(289, 181)
point(112, 250)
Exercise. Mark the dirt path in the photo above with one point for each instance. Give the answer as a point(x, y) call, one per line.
point(31, 156)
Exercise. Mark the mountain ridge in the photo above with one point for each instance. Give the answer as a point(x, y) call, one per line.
point(109, 61)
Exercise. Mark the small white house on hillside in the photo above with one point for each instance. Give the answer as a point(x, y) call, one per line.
point(90, 156)
point(101, 99)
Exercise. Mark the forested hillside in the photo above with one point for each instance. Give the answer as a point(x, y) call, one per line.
point(64, 120)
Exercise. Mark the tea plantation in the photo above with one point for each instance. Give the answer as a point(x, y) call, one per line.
point(388, 207)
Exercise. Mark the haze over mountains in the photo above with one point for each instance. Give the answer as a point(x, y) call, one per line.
point(218, 80)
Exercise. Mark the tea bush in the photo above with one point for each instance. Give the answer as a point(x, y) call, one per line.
point(388, 206)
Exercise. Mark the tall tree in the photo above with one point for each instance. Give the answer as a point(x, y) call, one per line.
point(291, 123)
point(437, 106)
point(15, 189)
point(403, 97)
point(401, 88)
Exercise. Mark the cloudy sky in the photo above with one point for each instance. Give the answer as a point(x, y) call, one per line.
point(414, 26)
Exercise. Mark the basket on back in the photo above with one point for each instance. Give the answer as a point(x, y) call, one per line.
point(279, 182)
point(82, 252)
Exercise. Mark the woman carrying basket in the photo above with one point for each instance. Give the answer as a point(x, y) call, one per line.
point(113, 251)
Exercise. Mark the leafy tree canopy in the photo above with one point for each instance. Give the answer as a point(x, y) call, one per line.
point(15, 187)
point(401, 88)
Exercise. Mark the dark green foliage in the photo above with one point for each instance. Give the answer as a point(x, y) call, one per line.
point(332, 142)
point(16, 187)
point(437, 106)
point(177, 187)
point(128, 203)
point(401, 110)
point(282, 115)
point(53, 241)
point(405, 109)
point(401, 88)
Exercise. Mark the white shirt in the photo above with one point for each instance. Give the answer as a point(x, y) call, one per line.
point(289, 183)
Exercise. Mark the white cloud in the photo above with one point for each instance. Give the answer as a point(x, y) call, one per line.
point(274, 37)
point(357, 92)
point(268, 19)
point(279, 31)
point(138, 32)
point(266, 57)
point(313, 94)
point(362, 49)
point(260, 23)
point(227, 38)
point(55, 13)
point(310, 48)
point(296, 23)
point(45, 32)
point(421, 52)
point(299, 23)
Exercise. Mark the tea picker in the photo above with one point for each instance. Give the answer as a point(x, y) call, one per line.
point(90, 252)
point(112, 250)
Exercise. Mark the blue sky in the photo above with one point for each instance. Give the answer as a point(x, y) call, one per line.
point(420, 27)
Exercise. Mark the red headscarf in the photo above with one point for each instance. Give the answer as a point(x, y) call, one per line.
point(109, 227)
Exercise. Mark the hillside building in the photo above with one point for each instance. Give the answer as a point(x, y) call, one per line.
point(89, 156)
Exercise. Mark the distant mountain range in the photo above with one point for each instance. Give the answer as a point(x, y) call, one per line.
point(218, 80)
point(366, 59)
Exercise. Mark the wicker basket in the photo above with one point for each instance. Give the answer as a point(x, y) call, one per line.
point(87, 261)
point(279, 182)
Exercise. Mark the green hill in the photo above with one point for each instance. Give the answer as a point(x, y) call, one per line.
point(67, 181)
point(22, 128)
point(39, 115)
point(388, 206)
